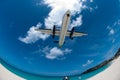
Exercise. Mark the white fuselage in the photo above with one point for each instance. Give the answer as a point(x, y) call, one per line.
point(65, 24)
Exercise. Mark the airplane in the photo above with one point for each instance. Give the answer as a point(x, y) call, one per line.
point(63, 32)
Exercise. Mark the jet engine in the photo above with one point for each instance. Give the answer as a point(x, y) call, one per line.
point(71, 33)
point(53, 31)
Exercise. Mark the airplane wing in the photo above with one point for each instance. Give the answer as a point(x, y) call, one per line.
point(57, 32)
point(75, 34)
point(48, 31)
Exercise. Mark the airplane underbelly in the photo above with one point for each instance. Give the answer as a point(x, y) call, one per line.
point(63, 31)
point(65, 23)
point(62, 36)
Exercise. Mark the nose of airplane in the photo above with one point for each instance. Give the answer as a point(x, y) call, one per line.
point(68, 13)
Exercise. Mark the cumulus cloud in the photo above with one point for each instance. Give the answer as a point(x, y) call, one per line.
point(111, 30)
point(92, 7)
point(33, 36)
point(76, 22)
point(59, 7)
point(87, 63)
point(91, 0)
point(83, 0)
point(55, 52)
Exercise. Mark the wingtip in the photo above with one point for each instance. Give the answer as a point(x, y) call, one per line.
point(86, 34)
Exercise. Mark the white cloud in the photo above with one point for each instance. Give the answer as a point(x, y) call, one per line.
point(55, 52)
point(91, 0)
point(91, 9)
point(111, 31)
point(87, 63)
point(58, 8)
point(76, 22)
point(32, 35)
point(84, 0)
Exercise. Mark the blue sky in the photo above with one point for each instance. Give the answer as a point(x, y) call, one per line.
point(21, 44)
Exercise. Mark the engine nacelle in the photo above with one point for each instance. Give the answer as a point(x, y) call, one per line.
point(53, 31)
point(71, 34)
